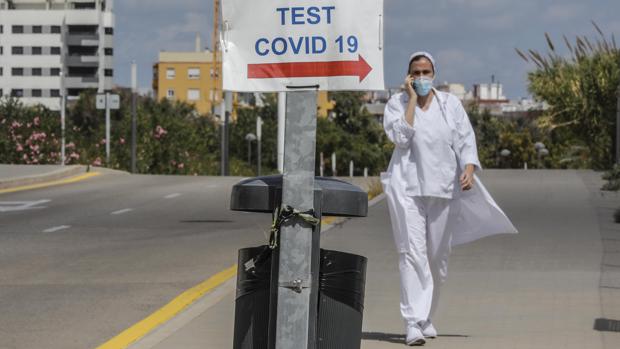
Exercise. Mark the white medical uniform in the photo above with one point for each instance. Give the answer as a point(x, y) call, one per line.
point(428, 210)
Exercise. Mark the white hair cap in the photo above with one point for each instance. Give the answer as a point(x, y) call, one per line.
point(426, 55)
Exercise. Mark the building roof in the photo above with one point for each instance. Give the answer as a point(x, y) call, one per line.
point(186, 56)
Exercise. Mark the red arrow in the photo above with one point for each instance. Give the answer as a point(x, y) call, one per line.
point(310, 69)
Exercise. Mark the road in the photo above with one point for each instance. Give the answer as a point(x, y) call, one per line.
point(82, 262)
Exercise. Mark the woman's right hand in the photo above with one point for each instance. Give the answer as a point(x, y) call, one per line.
point(409, 88)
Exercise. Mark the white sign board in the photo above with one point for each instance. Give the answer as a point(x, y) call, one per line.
point(100, 101)
point(114, 101)
point(273, 45)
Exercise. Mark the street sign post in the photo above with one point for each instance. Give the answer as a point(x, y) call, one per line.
point(273, 45)
point(301, 46)
point(107, 101)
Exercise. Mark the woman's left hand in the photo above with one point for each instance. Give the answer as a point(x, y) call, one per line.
point(467, 178)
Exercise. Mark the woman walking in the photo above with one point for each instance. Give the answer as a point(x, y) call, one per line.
point(435, 199)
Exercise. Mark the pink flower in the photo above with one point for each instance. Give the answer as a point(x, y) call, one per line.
point(74, 155)
point(97, 162)
point(37, 121)
point(25, 157)
point(29, 125)
point(103, 141)
point(70, 145)
point(181, 166)
point(19, 148)
point(121, 140)
point(159, 132)
point(16, 124)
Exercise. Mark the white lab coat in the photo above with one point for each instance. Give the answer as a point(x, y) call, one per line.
point(479, 216)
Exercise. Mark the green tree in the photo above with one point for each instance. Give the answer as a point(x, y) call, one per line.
point(581, 93)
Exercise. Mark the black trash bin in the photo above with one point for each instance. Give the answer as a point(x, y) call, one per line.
point(341, 299)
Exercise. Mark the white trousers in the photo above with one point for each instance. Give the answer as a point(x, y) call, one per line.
point(423, 258)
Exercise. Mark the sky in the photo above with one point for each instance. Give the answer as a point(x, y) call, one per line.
point(471, 40)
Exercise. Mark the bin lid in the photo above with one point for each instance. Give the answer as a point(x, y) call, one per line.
point(263, 194)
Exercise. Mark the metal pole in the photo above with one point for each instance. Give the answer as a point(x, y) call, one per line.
point(351, 168)
point(295, 327)
point(618, 126)
point(223, 159)
point(228, 107)
point(107, 129)
point(249, 153)
point(134, 96)
point(63, 107)
point(321, 165)
point(259, 135)
point(281, 126)
point(334, 172)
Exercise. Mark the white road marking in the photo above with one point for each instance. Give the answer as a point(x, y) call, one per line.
point(172, 196)
point(7, 206)
point(54, 229)
point(125, 210)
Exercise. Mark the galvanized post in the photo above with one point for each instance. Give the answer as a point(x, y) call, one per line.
point(618, 126)
point(295, 322)
point(134, 95)
point(107, 129)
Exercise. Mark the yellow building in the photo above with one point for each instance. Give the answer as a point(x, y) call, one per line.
point(324, 105)
point(188, 77)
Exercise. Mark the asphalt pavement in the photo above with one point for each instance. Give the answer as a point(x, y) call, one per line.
point(87, 260)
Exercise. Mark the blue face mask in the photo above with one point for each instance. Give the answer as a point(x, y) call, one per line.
point(423, 85)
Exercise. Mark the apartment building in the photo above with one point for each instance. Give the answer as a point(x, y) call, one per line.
point(188, 76)
point(51, 46)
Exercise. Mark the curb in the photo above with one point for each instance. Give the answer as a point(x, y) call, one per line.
point(69, 171)
point(341, 220)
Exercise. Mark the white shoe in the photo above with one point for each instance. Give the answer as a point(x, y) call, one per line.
point(428, 330)
point(414, 336)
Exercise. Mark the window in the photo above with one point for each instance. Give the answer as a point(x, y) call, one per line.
point(37, 29)
point(37, 71)
point(54, 93)
point(17, 71)
point(84, 5)
point(109, 31)
point(55, 72)
point(108, 51)
point(1, 50)
point(1, 73)
point(17, 93)
point(193, 94)
point(1, 32)
point(170, 73)
point(36, 50)
point(37, 93)
point(17, 50)
point(18, 29)
point(55, 50)
point(109, 72)
point(193, 73)
point(1, 94)
point(170, 93)
point(55, 29)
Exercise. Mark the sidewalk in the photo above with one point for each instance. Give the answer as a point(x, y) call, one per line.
point(538, 289)
point(19, 175)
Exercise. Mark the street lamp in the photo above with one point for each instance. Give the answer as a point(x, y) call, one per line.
point(63, 101)
point(250, 137)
